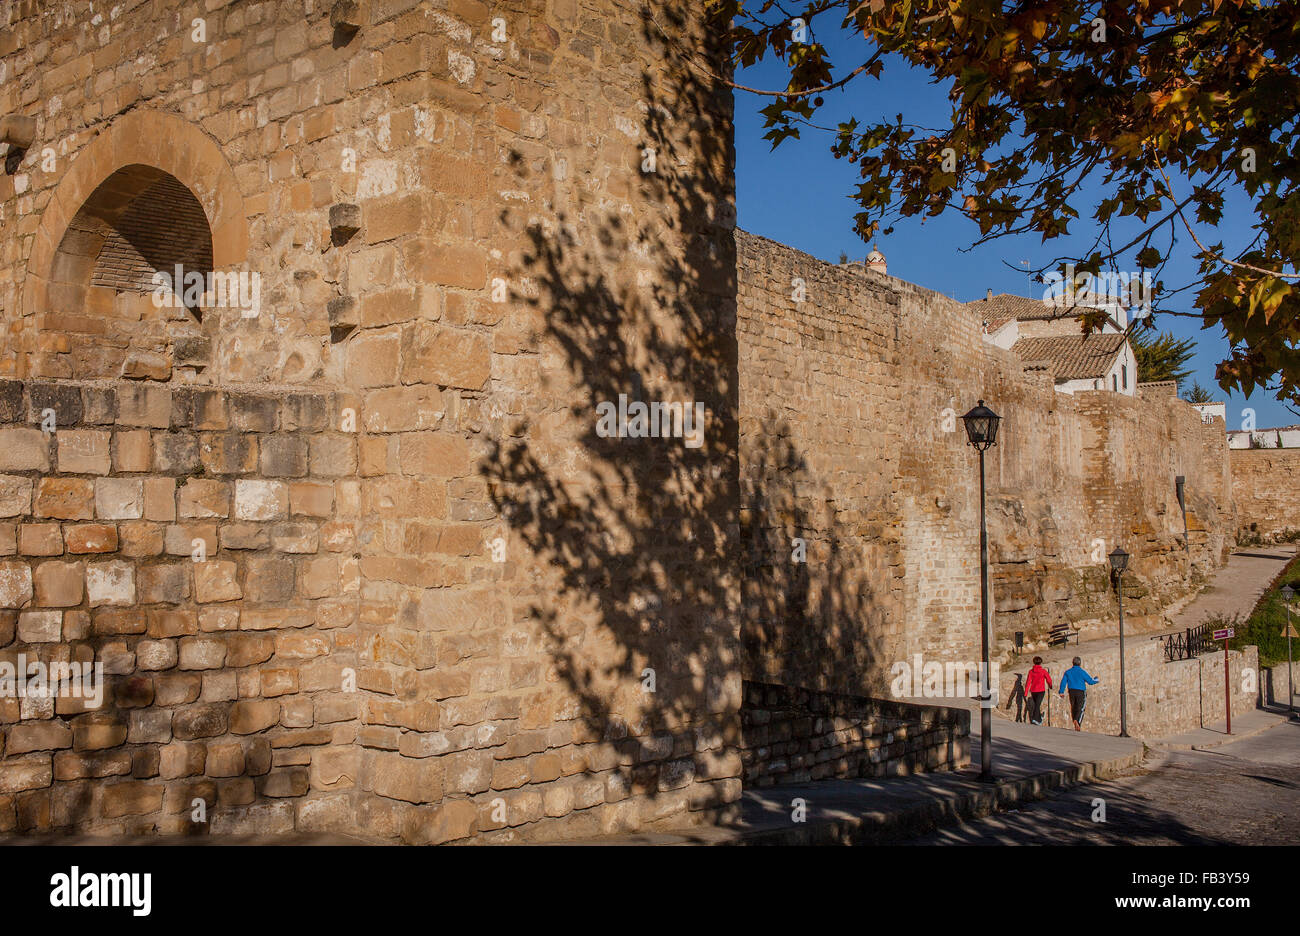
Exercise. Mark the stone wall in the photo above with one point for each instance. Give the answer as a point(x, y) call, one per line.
point(1164, 698)
point(479, 223)
point(1266, 488)
point(795, 735)
point(853, 453)
point(201, 545)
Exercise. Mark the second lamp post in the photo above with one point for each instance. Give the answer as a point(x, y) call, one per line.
point(1119, 562)
point(982, 432)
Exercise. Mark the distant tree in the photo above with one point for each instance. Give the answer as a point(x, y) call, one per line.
point(1279, 440)
point(844, 258)
point(1198, 394)
point(1162, 356)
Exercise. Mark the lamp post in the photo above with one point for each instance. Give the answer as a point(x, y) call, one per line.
point(1119, 562)
point(1288, 594)
point(982, 432)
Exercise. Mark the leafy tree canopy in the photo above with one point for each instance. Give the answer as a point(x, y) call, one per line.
point(1166, 103)
point(1162, 356)
point(1198, 394)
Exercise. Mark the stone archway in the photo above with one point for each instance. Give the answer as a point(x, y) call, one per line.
point(143, 156)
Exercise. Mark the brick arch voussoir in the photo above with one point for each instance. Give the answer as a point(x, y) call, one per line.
point(151, 138)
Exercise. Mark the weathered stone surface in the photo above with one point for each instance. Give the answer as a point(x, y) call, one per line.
point(40, 626)
point(15, 495)
point(202, 653)
point(84, 451)
point(23, 449)
point(15, 584)
point(251, 716)
point(261, 500)
point(110, 583)
point(216, 581)
point(38, 736)
point(58, 584)
point(199, 721)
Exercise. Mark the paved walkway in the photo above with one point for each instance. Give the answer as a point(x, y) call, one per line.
point(1237, 586)
point(1245, 725)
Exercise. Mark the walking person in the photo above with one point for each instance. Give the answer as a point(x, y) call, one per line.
point(1037, 682)
point(1077, 680)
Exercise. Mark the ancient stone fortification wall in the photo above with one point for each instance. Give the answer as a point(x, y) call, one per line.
point(1266, 488)
point(851, 440)
point(479, 229)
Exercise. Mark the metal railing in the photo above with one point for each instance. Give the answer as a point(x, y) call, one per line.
point(1189, 643)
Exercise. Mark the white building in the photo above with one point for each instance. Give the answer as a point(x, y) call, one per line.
point(1211, 410)
point(1047, 336)
point(1289, 436)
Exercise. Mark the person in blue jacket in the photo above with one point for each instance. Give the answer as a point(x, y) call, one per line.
point(1077, 680)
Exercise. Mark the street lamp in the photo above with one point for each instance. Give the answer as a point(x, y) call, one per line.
point(1119, 562)
point(982, 432)
point(1288, 594)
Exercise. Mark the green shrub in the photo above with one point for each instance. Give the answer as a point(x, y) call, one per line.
point(1267, 621)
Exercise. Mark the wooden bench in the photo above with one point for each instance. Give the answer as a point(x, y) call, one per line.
point(1059, 635)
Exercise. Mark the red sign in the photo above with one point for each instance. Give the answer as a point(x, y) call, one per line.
point(1226, 633)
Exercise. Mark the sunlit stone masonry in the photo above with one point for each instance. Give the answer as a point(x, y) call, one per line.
point(320, 325)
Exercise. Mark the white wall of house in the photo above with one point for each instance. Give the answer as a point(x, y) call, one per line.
point(1005, 336)
point(1267, 438)
point(1121, 378)
point(1211, 410)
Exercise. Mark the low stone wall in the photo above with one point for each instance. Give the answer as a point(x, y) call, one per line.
point(1164, 698)
point(1266, 489)
point(795, 735)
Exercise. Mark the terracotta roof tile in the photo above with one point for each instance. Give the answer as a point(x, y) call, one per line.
point(1071, 357)
point(1003, 307)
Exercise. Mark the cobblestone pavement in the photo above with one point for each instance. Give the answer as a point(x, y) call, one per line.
point(1244, 793)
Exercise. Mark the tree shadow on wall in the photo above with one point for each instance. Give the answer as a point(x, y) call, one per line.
point(637, 542)
point(810, 616)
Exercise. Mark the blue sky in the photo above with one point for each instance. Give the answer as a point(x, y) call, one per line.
point(799, 195)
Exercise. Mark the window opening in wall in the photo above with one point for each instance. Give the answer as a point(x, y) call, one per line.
point(138, 222)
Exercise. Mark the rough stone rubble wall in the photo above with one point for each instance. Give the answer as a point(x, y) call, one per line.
point(851, 440)
point(498, 699)
point(1266, 487)
point(796, 735)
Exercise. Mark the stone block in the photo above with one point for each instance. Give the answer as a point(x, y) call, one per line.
point(261, 500)
point(119, 498)
point(216, 581)
point(84, 451)
point(64, 498)
point(23, 449)
point(58, 584)
point(110, 583)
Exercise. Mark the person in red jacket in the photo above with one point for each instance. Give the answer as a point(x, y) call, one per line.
point(1037, 683)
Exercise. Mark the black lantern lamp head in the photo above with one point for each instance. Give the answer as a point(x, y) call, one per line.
point(1119, 560)
point(1288, 593)
point(982, 426)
